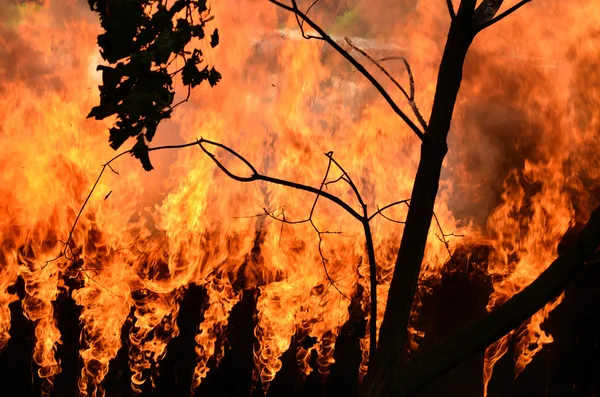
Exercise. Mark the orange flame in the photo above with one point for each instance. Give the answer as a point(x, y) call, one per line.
point(521, 171)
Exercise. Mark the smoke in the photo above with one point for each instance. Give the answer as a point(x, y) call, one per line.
point(22, 58)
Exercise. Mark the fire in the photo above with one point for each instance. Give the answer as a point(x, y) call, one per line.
point(520, 173)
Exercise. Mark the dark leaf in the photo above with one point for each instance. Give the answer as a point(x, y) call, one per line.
point(102, 111)
point(201, 5)
point(191, 75)
point(179, 5)
point(198, 31)
point(214, 38)
point(140, 152)
point(151, 130)
point(213, 77)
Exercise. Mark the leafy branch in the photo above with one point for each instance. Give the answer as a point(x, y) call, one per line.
point(141, 40)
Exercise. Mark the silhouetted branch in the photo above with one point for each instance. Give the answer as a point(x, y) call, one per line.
point(380, 210)
point(340, 178)
point(442, 236)
point(411, 79)
point(259, 177)
point(310, 220)
point(409, 97)
point(256, 176)
point(300, 22)
point(346, 177)
point(324, 260)
point(325, 37)
point(454, 348)
point(486, 10)
point(450, 9)
point(503, 15)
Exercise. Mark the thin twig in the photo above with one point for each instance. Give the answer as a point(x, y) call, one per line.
point(259, 177)
point(300, 22)
point(325, 37)
point(347, 178)
point(411, 78)
point(443, 236)
point(374, 61)
point(391, 220)
point(410, 97)
point(380, 210)
point(310, 220)
point(341, 178)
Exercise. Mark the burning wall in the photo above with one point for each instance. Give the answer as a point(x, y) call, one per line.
point(522, 169)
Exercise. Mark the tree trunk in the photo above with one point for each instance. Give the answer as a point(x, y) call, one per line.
point(393, 331)
point(454, 348)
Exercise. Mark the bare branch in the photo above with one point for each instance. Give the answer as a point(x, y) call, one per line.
point(380, 210)
point(340, 178)
point(325, 37)
point(300, 22)
point(384, 216)
point(451, 9)
point(374, 61)
point(454, 348)
point(503, 15)
point(346, 177)
point(255, 176)
point(411, 78)
point(410, 97)
point(324, 260)
point(67, 243)
point(486, 11)
point(310, 220)
point(259, 177)
point(442, 238)
point(372, 286)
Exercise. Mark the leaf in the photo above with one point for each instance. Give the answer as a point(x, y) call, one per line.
point(214, 38)
point(191, 75)
point(140, 152)
point(178, 6)
point(213, 77)
point(198, 31)
point(151, 130)
point(201, 5)
point(102, 111)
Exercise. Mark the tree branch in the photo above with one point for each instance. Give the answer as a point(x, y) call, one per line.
point(372, 286)
point(325, 37)
point(451, 9)
point(503, 15)
point(393, 332)
point(380, 210)
point(409, 97)
point(450, 351)
point(309, 219)
point(486, 11)
point(259, 177)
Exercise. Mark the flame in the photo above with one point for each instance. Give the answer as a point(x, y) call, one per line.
point(521, 172)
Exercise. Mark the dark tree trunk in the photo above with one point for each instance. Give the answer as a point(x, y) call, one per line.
point(393, 331)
